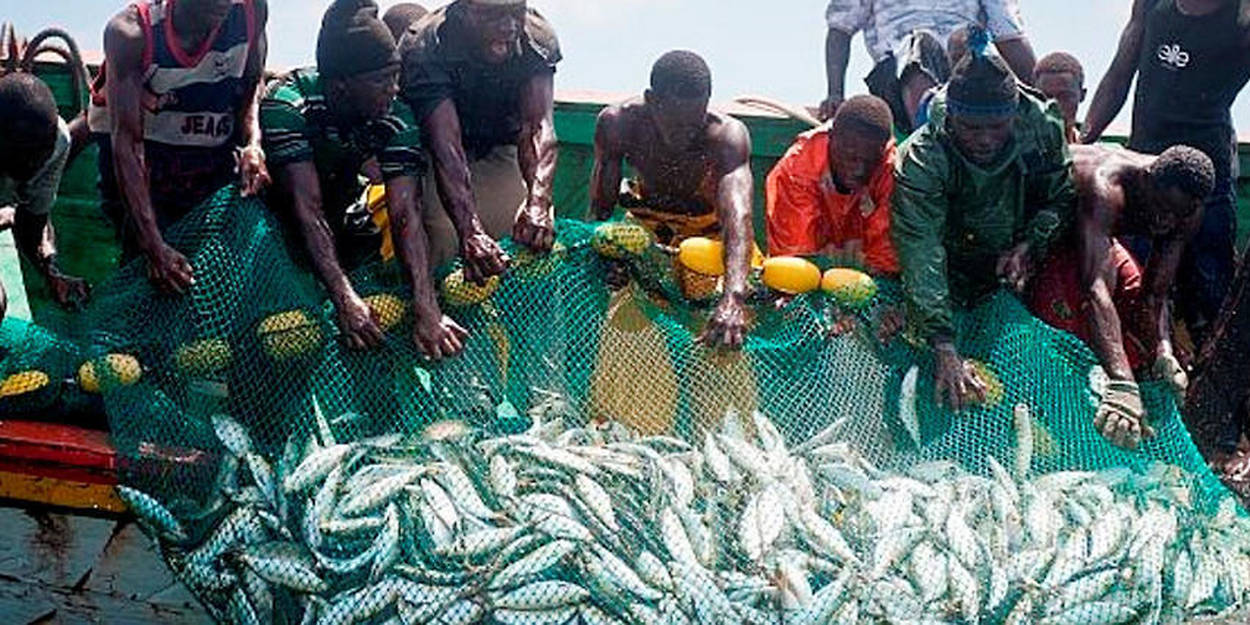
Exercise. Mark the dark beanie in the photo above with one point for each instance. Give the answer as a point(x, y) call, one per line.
point(354, 40)
point(981, 83)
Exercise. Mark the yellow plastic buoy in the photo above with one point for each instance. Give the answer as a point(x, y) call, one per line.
point(120, 369)
point(289, 335)
point(702, 255)
point(23, 383)
point(528, 265)
point(994, 390)
point(388, 310)
point(849, 288)
point(460, 293)
point(791, 275)
point(203, 357)
point(621, 240)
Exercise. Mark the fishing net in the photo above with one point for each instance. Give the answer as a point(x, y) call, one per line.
point(586, 460)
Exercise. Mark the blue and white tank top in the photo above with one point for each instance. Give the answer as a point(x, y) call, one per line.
point(190, 99)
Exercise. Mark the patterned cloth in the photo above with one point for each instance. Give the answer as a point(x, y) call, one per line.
point(886, 22)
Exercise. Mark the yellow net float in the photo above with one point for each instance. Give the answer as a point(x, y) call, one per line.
point(621, 240)
point(97, 375)
point(203, 357)
point(388, 310)
point(851, 289)
point(791, 275)
point(289, 335)
point(23, 383)
point(458, 292)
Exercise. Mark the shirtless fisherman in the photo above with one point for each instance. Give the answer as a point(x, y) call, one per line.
point(694, 168)
point(1095, 289)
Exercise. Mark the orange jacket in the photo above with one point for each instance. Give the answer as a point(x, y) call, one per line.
point(807, 216)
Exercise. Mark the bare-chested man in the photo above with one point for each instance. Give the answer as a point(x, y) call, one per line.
point(1095, 289)
point(694, 175)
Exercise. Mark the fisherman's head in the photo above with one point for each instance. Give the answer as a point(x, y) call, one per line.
point(681, 86)
point(28, 127)
point(1060, 76)
point(982, 101)
point(203, 15)
point(859, 134)
point(1181, 179)
point(499, 26)
point(358, 59)
point(401, 16)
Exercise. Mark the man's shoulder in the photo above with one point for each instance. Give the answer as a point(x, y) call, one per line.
point(125, 29)
point(291, 101)
point(294, 88)
point(542, 37)
point(619, 119)
point(424, 39)
point(1044, 120)
point(810, 148)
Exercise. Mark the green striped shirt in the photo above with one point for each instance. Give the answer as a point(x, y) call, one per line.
point(297, 127)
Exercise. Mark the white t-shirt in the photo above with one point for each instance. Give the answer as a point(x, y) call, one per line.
point(886, 22)
point(36, 195)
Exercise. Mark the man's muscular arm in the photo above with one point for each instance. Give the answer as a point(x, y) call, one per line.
point(355, 320)
point(1113, 90)
point(123, 48)
point(36, 240)
point(1160, 276)
point(253, 174)
point(1099, 278)
point(434, 334)
point(480, 253)
point(732, 155)
point(537, 151)
point(605, 177)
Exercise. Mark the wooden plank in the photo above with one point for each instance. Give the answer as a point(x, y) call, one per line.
point(61, 493)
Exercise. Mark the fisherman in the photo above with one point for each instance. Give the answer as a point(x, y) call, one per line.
point(1191, 59)
point(694, 175)
point(1094, 287)
point(479, 75)
point(178, 112)
point(36, 150)
point(982, 191)
point(320, 127)
point(1060, 76)
point(830, 194)
point(886, 23)
point(402, 16)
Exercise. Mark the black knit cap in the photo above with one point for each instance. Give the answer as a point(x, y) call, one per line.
point(354, 40)
point(982, 85)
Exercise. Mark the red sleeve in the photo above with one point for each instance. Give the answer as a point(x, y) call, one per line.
point(878, 246)
point(796, 223)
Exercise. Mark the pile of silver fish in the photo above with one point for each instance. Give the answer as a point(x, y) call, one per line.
point(595, 525)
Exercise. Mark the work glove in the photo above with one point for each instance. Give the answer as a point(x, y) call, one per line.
point(1169, 369)
point(1121, 417)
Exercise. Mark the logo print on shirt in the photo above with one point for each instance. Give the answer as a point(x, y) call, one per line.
point(1173, 56)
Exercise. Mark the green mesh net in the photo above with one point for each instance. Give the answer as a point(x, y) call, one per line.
point(587, 461)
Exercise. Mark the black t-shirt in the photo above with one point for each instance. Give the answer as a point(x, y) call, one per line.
point(1190, 72)
point(440, 63)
